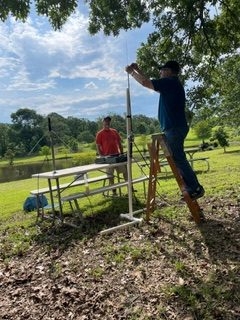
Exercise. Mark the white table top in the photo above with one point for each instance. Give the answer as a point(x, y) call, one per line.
point(76, 170)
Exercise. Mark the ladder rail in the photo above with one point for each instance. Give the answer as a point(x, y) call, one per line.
point(157, 141)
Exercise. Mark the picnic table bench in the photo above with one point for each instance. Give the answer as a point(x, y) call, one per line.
point(81, 181)
point(75, 183)
point(73, 198)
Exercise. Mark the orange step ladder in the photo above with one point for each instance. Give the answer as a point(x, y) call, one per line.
point(157, 141)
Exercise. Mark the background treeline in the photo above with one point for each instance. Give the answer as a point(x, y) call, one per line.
point(29, 131)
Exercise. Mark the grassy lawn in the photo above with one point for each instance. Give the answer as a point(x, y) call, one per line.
point(223, 176)
point(168, 269)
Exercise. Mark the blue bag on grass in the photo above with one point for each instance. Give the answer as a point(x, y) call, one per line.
point(30, 204)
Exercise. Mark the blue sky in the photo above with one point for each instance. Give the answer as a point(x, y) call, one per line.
point(69, 72)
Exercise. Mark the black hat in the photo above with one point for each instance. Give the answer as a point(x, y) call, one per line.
point(173, 65)
point(107, 118)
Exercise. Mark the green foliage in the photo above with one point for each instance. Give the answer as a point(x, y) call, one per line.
point(26, 133)
point(224, 87)
point(221, 136)
point(9, 155)
point(201, 28)
point(73, 144)
point(112, 16)
point(202, 35)
point(142, 129)
point(142, 141)
point(57, 11)
point(30, 131)
point(197, 32)
point(4, 138)
point(86, 137)
point(45, 151)
point(203, 130)
point(84, 158)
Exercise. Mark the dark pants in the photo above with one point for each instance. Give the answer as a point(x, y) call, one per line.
point(175, 141)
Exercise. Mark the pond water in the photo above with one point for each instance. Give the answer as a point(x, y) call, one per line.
point(25, 171)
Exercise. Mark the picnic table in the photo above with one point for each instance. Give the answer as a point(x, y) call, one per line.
point(53, 179)
point(190, 152)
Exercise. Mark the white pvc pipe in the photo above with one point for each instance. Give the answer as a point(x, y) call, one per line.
point(125, 225)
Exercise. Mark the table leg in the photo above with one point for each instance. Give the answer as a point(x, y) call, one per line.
point(191, 162)
point(59, 199)
point(190, 159)
point(51, 195)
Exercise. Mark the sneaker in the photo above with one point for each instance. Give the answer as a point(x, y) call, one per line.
point(198, 193)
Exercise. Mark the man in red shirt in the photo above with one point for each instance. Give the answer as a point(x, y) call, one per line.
point(108, 142)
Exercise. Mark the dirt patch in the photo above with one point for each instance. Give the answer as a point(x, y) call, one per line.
point(170, 269)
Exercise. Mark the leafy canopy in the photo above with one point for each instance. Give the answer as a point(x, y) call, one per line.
point(57, 11)
point(194, 32)
point(200, 34)
point(195, 27)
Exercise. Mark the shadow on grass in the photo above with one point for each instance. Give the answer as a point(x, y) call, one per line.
point(221, 239)
point(62, 235)
point(210, 285)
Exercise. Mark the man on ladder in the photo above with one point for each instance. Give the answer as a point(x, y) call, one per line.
point(172, 118)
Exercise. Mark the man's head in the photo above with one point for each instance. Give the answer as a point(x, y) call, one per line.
point(171, 67)
point(106, 122)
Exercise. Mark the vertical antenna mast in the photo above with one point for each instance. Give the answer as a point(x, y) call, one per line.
point(52, 146)
point(129, 148)
point(129, 215)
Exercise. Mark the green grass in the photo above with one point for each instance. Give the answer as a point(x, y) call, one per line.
point(169, 266)
point(223, 176)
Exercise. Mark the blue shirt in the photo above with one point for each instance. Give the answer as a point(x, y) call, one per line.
point(171, 108)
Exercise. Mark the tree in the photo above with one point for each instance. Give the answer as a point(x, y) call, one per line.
point(142, 141)
point(198, 31)
point(76, 126)
point(26, 132)
point(45, 151)
point(60, 129)
point(199, 34)
point(224, 87)
point(149, 124)
point(194, 31)
point(4, 138)
point(203, 130)
point(73, 144)
point(86, 137)
point(57, 11)
point(9, 155)
point(142, 128)
point(221, 136)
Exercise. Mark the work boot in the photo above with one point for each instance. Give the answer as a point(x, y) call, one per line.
point(198, 193)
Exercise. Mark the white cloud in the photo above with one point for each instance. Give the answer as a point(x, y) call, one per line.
point(68, 72)
point(91, 85)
